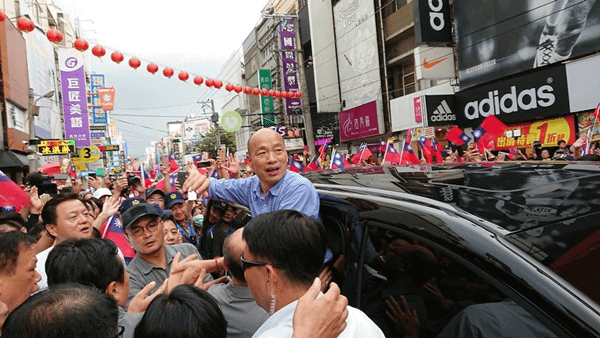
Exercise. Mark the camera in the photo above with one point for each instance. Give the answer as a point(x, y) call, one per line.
point(43, 182)
point(133, 181)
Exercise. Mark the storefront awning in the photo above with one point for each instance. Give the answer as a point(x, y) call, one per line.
point(10, 159)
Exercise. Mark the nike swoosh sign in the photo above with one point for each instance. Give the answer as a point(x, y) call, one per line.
point(432, 63)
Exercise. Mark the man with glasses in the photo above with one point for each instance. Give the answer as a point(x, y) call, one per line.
point(144, 232)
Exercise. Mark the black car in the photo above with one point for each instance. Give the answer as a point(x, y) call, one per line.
point(476, 250)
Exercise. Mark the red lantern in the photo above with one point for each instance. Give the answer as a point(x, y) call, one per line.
point(52, 35)
point(98, 51)
point(60, 37)
point(277, 93)
point(255, 91)
point(198, 80)
point(31, 26)
point(23, 24)
point(134, 63)
point(284, 95)
point(218, 84)
point(2, 16)
point(229, 87)
point(152, 67)
point(117, 57)
point(210, 82)
point(183, 76)
point(168, 72)
point(237, 88)
point(298, 95)
point(271, 93)
point(247, 90)
point(264, 92)
point(81, 45)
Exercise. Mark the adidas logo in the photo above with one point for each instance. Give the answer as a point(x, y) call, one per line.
point(443, 113)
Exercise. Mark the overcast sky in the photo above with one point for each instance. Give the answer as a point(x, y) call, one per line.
point(197, 36)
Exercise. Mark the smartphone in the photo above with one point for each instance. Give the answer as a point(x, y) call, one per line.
point(165, 161)
point(92, 175)
point(192, 196)
point(181, 176)
point(203, 164)
point(222, 152)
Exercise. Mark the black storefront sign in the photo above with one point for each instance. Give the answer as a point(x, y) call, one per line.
point(432, 21)
point(440, 110)
point(528, 97)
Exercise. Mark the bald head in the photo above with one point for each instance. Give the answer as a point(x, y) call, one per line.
point(233, 248)
point(262, 134)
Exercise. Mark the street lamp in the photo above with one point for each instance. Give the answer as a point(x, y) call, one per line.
point(32, 156)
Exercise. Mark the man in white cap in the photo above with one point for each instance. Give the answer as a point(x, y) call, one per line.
point(102, 194)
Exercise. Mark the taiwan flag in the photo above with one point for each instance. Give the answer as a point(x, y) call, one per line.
point(338, 161)
point(113, 230)
point(457, 136)
point(173, 164)
point(12, 195)
point(426, 149)
point(196, 158)
point(362, 153)
point(313, 165)
point(392, 154)
point(323, 151)
point(437, 151)
point(296, 166)
point(408, 155)
point(382, 146)
point(161, 184)
point(487, 132)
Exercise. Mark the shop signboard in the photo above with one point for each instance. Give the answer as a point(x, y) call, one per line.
point(548, 132)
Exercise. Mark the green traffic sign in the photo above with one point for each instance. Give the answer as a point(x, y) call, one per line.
point(231, 121)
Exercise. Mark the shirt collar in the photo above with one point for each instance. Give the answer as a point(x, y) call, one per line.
point(277, 188)
point(146, 267)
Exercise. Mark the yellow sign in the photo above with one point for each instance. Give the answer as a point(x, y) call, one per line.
point(56, 147)
point(89, 154)
point(79, 164)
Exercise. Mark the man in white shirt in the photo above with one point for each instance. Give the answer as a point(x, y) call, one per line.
point(64, 217)
point(284, 252)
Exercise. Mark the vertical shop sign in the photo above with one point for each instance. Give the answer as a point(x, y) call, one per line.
point(98, 114)
point(72, 77)
point(266, 102)
point(290, 78)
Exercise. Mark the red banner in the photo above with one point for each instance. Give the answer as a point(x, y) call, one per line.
point(107, 98)
point(548, 132)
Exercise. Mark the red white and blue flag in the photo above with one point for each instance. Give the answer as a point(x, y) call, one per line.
point(173, 166)
point(457, 136)
point(408, 155)
point(323, 150)
point(295, 165)
point(12, 195)
point(337, 162)
point(391, 155)
point(161, 184)
point(362, 153)
point(426, 149)
point(313, 165)
point(437, 151)
point(382, 146)
point(197, 158)
point(113, 230)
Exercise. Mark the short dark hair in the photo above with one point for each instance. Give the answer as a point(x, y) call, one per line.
point(91, 262)
point(10, 221)
point(186, 312)
point(36, 232)
point(291, 239)
point(234, 264)
point(11, 243)
point(561, 141)
point(49, 214)
point(67, 310)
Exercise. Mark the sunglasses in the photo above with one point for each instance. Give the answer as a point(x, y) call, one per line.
point(248, 264)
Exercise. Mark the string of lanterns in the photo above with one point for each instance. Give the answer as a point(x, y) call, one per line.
point(25, 24)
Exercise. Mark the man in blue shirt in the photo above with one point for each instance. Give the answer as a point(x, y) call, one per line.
point(273, 188)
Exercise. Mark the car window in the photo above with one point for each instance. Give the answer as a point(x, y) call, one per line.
point(407, 285)
point(570, 248)
point(411, 287)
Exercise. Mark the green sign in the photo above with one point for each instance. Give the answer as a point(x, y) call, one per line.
point(266, 102)
point(231, 121)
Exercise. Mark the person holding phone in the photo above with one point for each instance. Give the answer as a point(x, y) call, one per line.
point(175, 202)
point(273, 188)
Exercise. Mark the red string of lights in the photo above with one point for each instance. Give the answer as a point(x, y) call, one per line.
point(26, 25)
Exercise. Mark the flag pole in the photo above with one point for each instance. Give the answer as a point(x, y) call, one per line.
point(402, 151)
point(332, 158)
point(387, 145)
point(107, 226)
point(362, 152)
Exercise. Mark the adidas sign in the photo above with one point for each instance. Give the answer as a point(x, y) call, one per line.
point(494, 104)
point(443, 113)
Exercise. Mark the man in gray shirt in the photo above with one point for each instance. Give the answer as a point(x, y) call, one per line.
point(242, 313)
point(144, 231)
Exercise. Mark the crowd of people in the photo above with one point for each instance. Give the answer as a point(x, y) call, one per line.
point(185, 260)
point(238, 255)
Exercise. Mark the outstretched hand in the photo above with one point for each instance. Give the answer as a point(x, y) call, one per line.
point(140, 302)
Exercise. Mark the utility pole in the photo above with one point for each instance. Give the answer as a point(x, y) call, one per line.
point(215, 119)
point(32, 156)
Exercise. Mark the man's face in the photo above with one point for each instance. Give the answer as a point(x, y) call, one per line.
point(16, 287)
point(228, 216)
point(157, 198)
point(123, 291)
point(268, 157)
point(214, 216)
point(73, 221)
point(178, 212)
point(256, 277)
point(545, 154)
point(562, 145)
point(151, 237)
